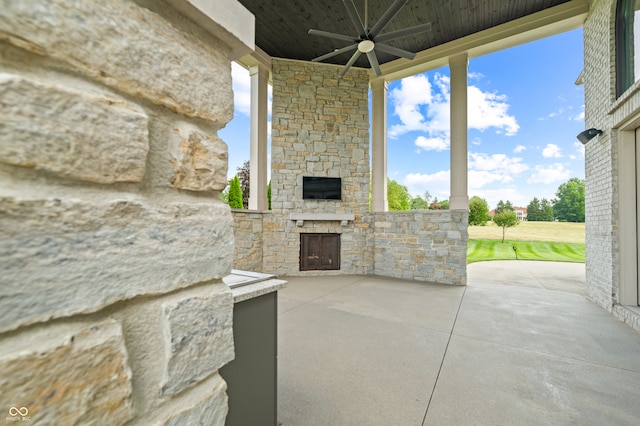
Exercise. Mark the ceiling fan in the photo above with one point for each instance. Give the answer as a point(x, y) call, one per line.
point(369, 40)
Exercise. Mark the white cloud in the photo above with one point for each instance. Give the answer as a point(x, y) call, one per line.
point(497, 162)
point(413, 93)
point(579, 116)
point(432, 144)
point(479, 178)
point(241, 89)
point(552, 151)
point(579, 149)
point(424, 105)
point(546, 175)
point(437, 183)
point(520, 148)
point(485, 169)
point(490, 110)
point(560, 111)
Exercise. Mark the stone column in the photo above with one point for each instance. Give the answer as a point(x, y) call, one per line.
point(459, 199)
point(258, 153)
point(110, 173)
point(379, 146)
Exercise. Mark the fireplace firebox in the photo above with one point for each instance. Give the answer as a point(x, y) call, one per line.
point(319, 252)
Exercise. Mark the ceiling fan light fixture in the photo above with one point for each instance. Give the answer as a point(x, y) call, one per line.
point(366, 46)
point(367, 40)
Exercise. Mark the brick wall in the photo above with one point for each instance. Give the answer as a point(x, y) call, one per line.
point(608, 211)
point(600, 161)
point(112, 238)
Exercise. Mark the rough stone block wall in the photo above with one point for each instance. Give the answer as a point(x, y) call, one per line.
point(422, 245)
point(112, 237)
point(248, 231)
point(320, 127)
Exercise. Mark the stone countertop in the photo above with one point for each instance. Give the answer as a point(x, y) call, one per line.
point(246, 285)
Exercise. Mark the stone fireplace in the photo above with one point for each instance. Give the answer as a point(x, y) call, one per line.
point(320, 130)
point(320, 136)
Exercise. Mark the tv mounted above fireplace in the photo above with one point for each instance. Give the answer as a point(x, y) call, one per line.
point(321, 188)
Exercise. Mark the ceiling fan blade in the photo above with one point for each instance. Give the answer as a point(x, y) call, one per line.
point(388, 16)
point(395, 51)
point(355, 56)
point(332, 35)
point(373, 60)
point(334, 53)
point(355, 18)
point(404, 32)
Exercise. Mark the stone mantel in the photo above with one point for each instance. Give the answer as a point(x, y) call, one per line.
point(343, 218)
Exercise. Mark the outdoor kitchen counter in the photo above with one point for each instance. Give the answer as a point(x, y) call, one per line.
point(252, 377)
point(247, 285)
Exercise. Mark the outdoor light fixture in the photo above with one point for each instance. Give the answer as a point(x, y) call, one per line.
point(587, 135)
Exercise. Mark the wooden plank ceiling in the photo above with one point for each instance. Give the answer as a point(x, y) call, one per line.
point(282, 25)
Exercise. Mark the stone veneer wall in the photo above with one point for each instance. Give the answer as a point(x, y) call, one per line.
point(321, 128)
point(422, 245)
point(112, 238)
point(426, 246)
point(248, 234)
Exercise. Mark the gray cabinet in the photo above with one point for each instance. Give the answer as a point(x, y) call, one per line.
point(252, 376)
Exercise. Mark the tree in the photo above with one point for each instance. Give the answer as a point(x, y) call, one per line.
point(478, 211)
point(540, 210)
point(269, 194)
point(506, 219)
point(502, 206)
point(569, 206)
point(235, 193)
point(244, 175)
point(547, 210)
point(397, 196)
point(534, 210)
point(439, 205)
point(419, 203)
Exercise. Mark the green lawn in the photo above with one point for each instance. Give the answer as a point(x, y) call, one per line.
point(480, 250)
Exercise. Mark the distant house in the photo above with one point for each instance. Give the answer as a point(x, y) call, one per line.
point(521, 212)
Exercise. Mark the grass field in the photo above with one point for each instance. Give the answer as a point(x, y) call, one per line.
point(549, 241)
point(561, 232)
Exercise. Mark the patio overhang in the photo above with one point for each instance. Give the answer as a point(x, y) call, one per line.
point(452, 44)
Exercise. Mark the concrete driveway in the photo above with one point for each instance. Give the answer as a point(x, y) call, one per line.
point(561, 276)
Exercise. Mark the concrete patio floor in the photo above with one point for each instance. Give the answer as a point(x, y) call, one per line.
point(520, 345)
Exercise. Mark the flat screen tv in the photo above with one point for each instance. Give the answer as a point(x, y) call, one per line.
point(321, 188)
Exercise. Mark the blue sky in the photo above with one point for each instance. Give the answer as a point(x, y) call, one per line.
point(524, 114)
